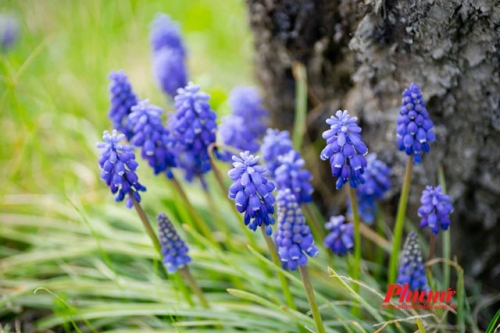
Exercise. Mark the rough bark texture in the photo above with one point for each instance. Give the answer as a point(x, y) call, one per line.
point(360, 56)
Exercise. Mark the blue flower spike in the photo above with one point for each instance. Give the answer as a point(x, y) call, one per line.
point(435, 209)
point(415, 128)
point(377, 184)
point(252, 192)
point(169, 70)
point(246, 102)
point(166, 33)
point(9, 32)
point(290, 174)
point(193, 126)
point(153, 138)
point(340, 240)
point(122, 100)
point(169, 54)
point(246, 124)
point(118, 166)
point(173, 248)
point(293, 238)
point(345, 149)
point(275, 143)
point(411, 269)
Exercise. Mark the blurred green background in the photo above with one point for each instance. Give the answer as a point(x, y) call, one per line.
point(54, 86)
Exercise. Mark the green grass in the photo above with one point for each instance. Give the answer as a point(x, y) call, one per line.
point(88, 258)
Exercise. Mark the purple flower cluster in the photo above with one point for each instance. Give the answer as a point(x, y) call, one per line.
point(290, 174)
point(345, 149)
point(435, 210)
point(411, 267)
point(173, 248)
point(377, 183)
point(246, 125)
point(246, 103)
point(118, 166)
point(169, 70)
point(154, 139)
point(193, 126)
point(414, 125)
point(9, 32)
point(275, 143)
point(169, 54)
point(252, 192)
point(293, 238)
point(122, 100)
point(233, 133)
point(166, 33)
point(340, 240)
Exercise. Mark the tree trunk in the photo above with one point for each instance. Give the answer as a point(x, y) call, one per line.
point(360, 55)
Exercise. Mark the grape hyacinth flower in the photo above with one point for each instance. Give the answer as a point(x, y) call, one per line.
point(411, 267)
point(118, 166)
point(252, 192)
point(293, 238)
point(9, 32)
point(377, 178)
point(345, 149)
point(174, 250)
point(377, 183)
point(275, 143)
point(246, 124)
point(154, 139)
point(290, 174)
point(166, 33)
point(169, 54)
point(435, 210)
point(193, 126)
point(233, 133)
point(169, 70)
point(340, 240)
point(122, 100)
point(367, 208)
point(246, 103)
point(414, 132)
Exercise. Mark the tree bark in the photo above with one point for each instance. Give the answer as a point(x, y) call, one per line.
point(360, 55)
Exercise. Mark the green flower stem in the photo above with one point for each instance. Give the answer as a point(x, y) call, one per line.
point(316, 228)
point(200, 224)
point(304, 274)
point(274, 256)
point(379, 256)
point(157, 246)
point(147, 225)
point(446, 234)
point(188, 277)
point(356, 267)
point(432, 246)
point(400, 218)
point(299, 127)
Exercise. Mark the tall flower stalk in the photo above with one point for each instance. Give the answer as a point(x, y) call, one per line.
point(346, 150)
point(175, 255)
point(414, 133)
point(295, 243)
point(252, 193)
